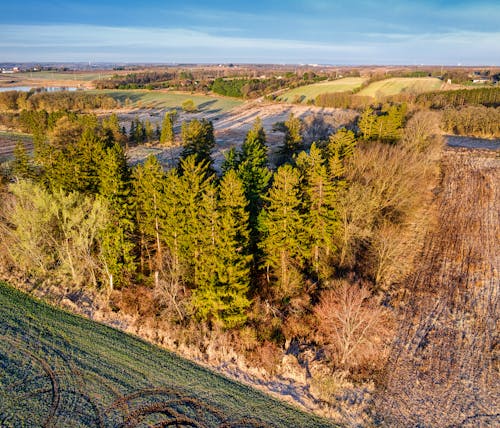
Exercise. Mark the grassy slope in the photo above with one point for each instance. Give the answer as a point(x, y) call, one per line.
point(397, 85)
point(310, 92)
point(158, 99)
point(61, 370)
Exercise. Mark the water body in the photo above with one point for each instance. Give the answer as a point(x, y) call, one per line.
point(44, 89)
point(472, 142)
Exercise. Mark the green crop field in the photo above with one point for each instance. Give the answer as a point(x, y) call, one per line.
point(397, 85)
point(61, 370)
point(310, 92)
point(139, 98)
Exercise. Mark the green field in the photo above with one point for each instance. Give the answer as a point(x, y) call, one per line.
point(397, 85)
point(310, 92)
point(61, 370)
point(139, 98)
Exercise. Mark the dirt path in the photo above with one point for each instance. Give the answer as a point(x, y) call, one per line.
point(444, 365)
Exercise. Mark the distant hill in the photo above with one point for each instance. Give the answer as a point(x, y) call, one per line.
point(61, 370)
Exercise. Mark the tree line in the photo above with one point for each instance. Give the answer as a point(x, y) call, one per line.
point(54, 101)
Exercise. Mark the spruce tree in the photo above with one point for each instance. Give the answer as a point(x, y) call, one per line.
point(321, 220)
point(21, 168)
point(198, 140)
point(293, 137)
point(117, 243)
point(283, 242)
point(167, 136)
point(221, 296)
point(148, 193)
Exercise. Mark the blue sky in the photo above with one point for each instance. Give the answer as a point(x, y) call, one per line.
point(448, 32)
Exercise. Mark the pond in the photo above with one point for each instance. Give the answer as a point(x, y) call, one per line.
point(44, 89)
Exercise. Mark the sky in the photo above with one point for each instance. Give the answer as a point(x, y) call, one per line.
point(438, 32)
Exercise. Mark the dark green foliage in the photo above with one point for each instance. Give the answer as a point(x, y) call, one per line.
point(293, 137)
point(148, 195)
point(198, 140)
point(221, 296)
point(21, 167)
point(284, 240)
point(115, 188)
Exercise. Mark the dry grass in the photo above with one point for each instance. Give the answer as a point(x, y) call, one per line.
point(442, 370)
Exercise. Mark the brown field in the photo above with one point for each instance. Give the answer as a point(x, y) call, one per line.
point(8, 141)
point(443, 369)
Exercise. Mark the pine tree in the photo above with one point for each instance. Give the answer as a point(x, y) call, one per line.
point(321, 221)
point(293, 137)
point(167, 136)
point(21, 164)
point(117, 243)
point(148, 194)
point(341, 145)
point(198, 140)
point(221, 296)
point(282, 225)
point(253, 169)
point(367, 124)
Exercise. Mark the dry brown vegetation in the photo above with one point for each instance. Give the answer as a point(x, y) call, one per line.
point(443, 369)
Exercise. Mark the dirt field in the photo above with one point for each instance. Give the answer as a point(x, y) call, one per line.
point(444, 365)
point(8, 142)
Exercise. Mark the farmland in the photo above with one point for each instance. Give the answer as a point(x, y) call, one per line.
point(310, 92)
point(62, 370)
point(442, 369)
point(9, 140)
point(394, 86)
point(136, 98)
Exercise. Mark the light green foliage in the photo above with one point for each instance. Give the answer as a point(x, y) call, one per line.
point(57, 234)
point(310, 92)
point(340, 145)
point(198, 140)
point(385, 126)
point(282, 225)
point(167, 136)
point(189, 106)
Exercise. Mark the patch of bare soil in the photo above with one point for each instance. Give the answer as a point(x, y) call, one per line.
point(443, 369)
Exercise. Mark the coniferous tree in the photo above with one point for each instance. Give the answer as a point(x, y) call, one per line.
point(293, 137)
point(341, 145)
point(321, 220)
point(167, 136)
point(117, 244)
point(198, 140)
point(148, 193)
point(21, 164)
point(222, 294)
point(282, 226)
